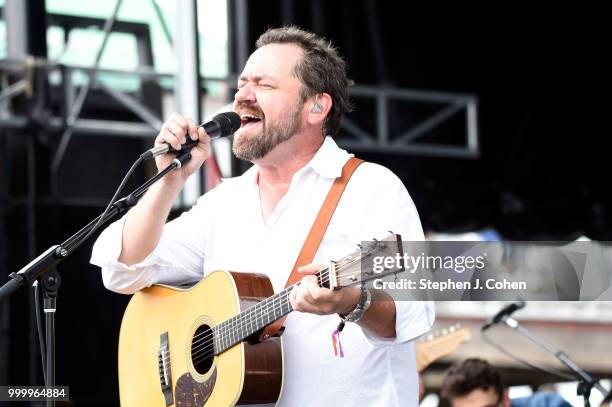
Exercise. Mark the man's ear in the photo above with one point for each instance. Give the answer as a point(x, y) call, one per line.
point(320, 105)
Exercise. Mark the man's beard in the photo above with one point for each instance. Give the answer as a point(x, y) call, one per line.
point(257, 146)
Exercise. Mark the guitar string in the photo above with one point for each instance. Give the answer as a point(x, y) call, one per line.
point(206, 351)
point(323, 279)
point(270, 316)
point(233, 328)
point(280, 301)
point(226, 332)
point(229, 329)
point(205, 345)
point(225, 328)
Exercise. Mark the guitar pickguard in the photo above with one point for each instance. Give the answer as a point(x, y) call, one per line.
point(190, 393)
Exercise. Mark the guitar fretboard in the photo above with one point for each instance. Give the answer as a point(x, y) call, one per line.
point(253, 319)
point(241, 326)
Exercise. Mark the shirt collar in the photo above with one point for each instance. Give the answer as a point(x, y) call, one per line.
point(328, 162)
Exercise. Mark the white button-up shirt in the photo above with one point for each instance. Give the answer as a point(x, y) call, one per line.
point(225, 230)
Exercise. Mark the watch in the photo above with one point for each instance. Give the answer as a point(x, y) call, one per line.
point(365, 299)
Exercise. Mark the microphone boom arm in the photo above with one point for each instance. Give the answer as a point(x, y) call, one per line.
point(57, 253)
point(580, 373)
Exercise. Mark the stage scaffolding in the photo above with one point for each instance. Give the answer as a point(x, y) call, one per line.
point(27, 77)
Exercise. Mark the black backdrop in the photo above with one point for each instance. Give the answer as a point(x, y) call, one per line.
point(537, 73)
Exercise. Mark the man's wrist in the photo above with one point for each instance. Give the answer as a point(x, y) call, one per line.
point(171, 185)
point(354, 296)
point(365, 299)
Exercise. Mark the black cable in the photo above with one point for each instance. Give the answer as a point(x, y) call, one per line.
point(41, 340)
point(76, 244)
point(526, 363)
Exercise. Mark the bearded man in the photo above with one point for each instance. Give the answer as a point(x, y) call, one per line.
point(291, 96)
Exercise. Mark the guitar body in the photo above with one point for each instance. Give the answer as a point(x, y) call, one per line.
point(161, 364)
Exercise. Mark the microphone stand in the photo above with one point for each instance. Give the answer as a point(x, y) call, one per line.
point(585, 381)
point(44, 266)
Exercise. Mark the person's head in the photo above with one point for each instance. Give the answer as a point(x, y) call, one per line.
point(294, 84)
point(475, 383)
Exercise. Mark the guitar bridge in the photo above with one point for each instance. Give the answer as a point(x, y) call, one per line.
point(165, 377)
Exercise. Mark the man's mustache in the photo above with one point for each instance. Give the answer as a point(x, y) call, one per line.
point(245, 108)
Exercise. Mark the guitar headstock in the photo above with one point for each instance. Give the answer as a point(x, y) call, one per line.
point(358, 266)
point(440, 344)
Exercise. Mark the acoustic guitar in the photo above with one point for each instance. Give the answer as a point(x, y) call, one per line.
point(199, 346)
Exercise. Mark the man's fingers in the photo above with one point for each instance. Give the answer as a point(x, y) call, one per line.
point(177, 124)
point(178, 131)
point(311, 286)
point(165, 136)
point(298, 303)
point(310, 268)
point(193, 129)
point(301, 300)
point(304, 292)
point(180, 120)
point(309, 297)
point(202, 134)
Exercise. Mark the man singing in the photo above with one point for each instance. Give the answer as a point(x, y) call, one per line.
point(291, 96)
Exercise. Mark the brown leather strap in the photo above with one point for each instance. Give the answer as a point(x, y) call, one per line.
point(313, 240)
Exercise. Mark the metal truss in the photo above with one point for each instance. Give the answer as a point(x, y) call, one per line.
point(147, 128)
point(359, 139)
point(407, 142)
point(353, 136)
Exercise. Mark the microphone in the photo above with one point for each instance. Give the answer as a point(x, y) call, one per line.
point(222, 125)
point(503, 314)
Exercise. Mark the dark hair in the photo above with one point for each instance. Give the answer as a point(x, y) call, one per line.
point(471, 374)
point(321, 69)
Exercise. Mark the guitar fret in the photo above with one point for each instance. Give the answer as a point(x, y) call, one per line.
point(264, 312)
point(243, 330)
point(274, 304)
point(248, 321)
point(345, 272)
point(260, 315)
point(253, 319)
point(228, 331)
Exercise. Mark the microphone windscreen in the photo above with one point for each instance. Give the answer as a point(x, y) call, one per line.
point(228, 122)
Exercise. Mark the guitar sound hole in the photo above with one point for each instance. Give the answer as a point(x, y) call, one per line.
point(202, 351)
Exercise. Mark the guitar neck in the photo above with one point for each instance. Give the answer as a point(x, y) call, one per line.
point(255, 318)
point(342, 273)
point(241, 326)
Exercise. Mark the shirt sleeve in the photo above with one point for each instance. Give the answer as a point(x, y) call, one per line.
point(390, 208)
point(178, 258)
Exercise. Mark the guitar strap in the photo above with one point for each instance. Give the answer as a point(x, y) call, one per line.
point(313, 240)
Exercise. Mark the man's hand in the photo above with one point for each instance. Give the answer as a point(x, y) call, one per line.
point(175, 132)
point(309, 297)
